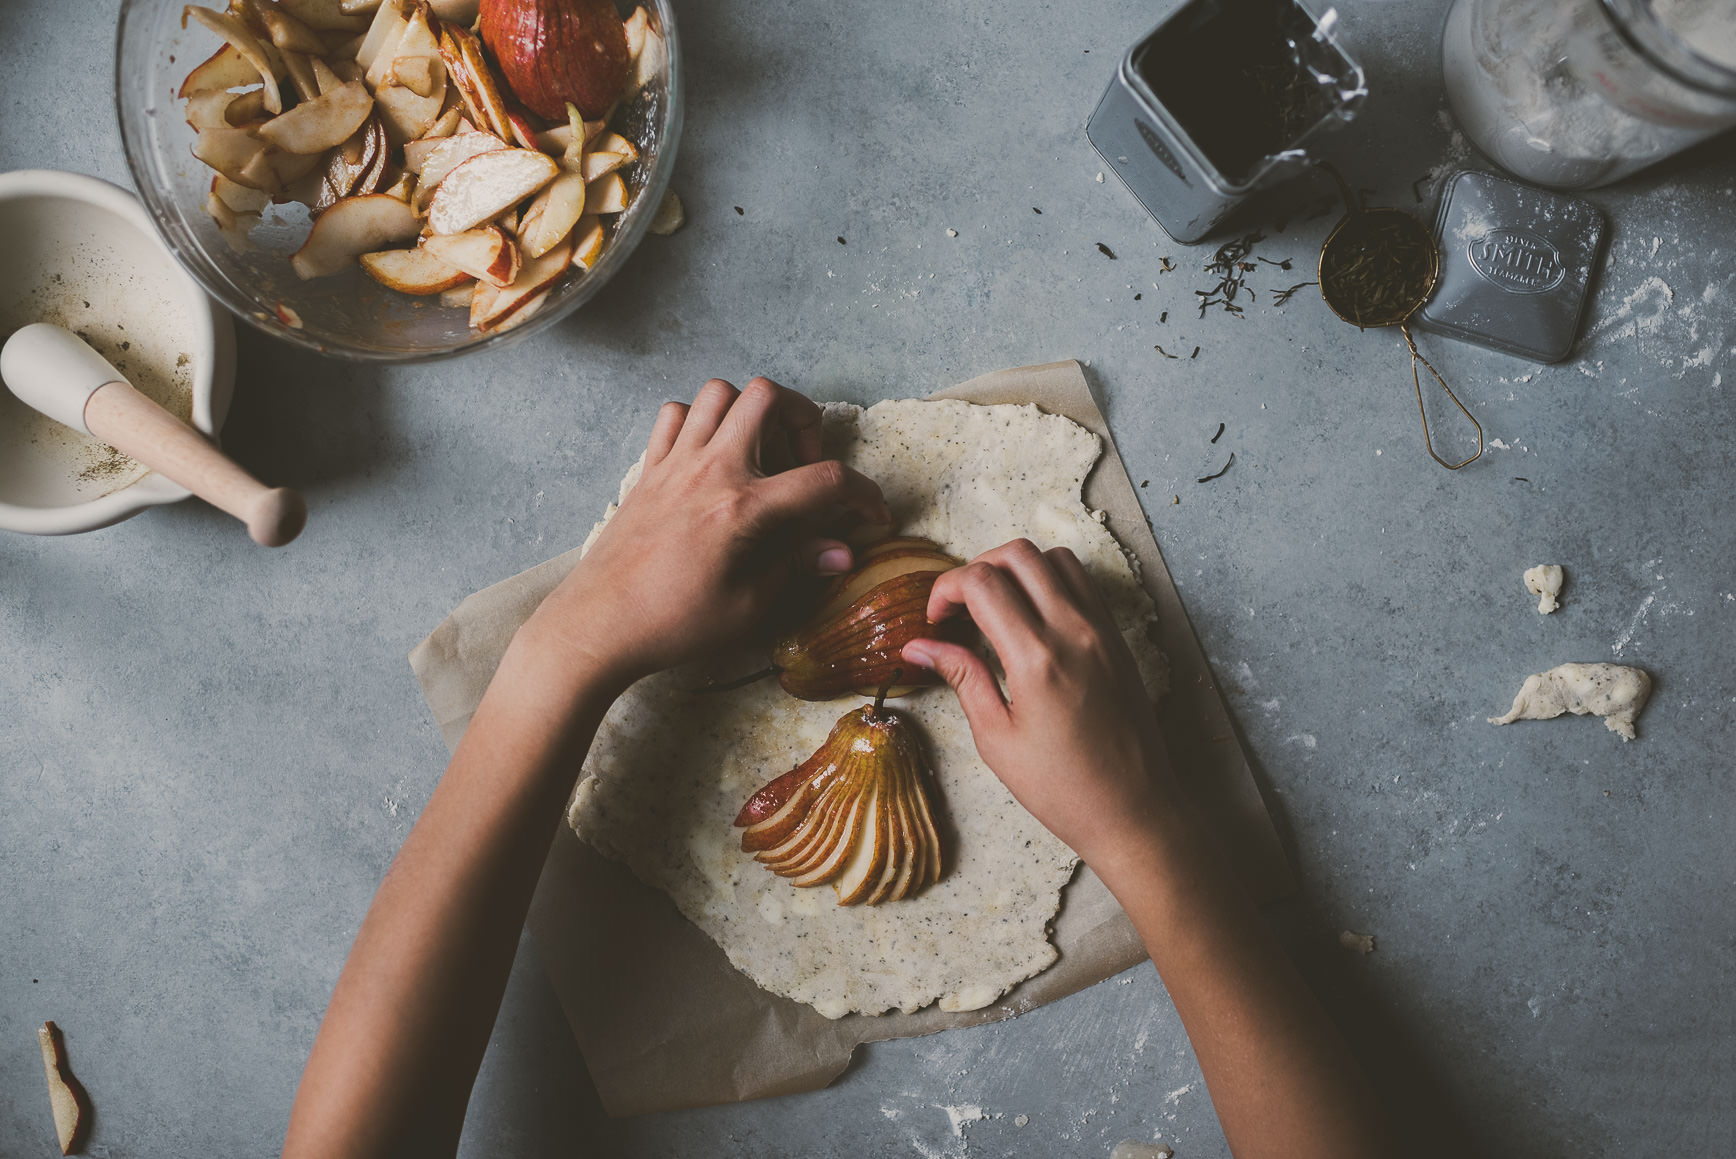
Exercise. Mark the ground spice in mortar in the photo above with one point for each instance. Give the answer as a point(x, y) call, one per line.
point(112, 465)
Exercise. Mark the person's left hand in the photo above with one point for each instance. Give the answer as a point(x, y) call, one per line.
point(728, 511)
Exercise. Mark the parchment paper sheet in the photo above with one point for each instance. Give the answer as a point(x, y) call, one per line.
point(664, 1021)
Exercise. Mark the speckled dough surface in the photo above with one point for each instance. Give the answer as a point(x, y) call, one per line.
point(1613, 691)
point(670, 769)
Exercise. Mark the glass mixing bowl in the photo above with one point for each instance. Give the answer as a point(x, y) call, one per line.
point(349, 314)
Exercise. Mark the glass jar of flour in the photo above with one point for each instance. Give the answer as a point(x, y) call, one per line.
point(1578, 93)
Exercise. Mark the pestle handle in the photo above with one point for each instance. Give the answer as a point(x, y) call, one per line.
point(136, 426)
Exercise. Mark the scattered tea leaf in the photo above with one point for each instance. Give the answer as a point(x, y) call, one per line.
point(1219, 474)
point(1232, 267)
point(1220, 433)
point(1283, 296)
point(1105, 251)
point(1165, 353)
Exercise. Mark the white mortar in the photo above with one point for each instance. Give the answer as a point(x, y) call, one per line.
point(81, 253)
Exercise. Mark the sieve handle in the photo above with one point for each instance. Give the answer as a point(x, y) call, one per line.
point(1416, 379)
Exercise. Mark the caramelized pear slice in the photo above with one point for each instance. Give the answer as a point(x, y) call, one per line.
point(857, 827)
point(858, 650)
point(860, 874)
point(811, 829)
point(773, 814)
point(814, 837)
point(911, 858)
point(927, 840)
point(873, 570)
point(898, 851)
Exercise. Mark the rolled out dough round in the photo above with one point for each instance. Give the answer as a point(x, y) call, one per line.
point(669, 769)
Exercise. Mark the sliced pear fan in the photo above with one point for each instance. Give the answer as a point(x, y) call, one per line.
point(855, 814)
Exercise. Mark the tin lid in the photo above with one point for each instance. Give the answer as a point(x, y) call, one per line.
point(1515, 265)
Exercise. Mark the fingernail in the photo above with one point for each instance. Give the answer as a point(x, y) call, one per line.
point(833, 561)
point(916, 653)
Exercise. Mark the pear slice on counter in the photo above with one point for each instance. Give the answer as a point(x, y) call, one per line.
point(66, 1095)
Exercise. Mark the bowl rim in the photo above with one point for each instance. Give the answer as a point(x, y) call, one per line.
point(634, 223)
point(213, 334)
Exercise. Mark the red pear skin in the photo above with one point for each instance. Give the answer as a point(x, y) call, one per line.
point(856, 814)
point(771, 798)
point(553, 51)
point(861, 649)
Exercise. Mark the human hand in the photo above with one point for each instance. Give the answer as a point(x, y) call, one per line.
point(1075, 738)
point(728, 510)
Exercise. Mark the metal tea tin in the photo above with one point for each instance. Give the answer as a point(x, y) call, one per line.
point(1151, 149)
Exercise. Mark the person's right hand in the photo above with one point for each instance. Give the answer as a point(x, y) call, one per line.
point(1075, 738)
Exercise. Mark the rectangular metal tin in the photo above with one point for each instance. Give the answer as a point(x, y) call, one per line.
point(1166, 172)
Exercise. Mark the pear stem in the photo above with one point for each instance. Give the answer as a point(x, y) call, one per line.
point(739, 682)
point(880, 697)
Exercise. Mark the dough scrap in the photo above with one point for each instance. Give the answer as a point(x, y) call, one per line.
point(1612, 691)
point(1355, 942)
point(1544, 582)
point(670, 769)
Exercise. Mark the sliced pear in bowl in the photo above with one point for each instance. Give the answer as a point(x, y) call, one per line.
point(856, 814)
point(486, 186)
point(553, 214)
point(448, 155)
point(407, 113)
point(321, 123)
point(467, 66)
point(210, 110)
point(493, 308)
point(239, 198)
point(486, 254)
point(323, 15)
point(351, 228)
point(354, 168)
point(236, 32)
point(230, 152)
point(412, 271)
point(588, 237)
point(224, 69)
point(607, 194)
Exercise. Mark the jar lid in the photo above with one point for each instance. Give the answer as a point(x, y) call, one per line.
point(1515, 265)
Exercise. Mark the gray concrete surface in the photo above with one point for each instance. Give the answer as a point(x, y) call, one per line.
point(208, 753)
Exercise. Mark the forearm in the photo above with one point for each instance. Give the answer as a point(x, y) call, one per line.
point(402, 1040)
point(1280, 1076)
